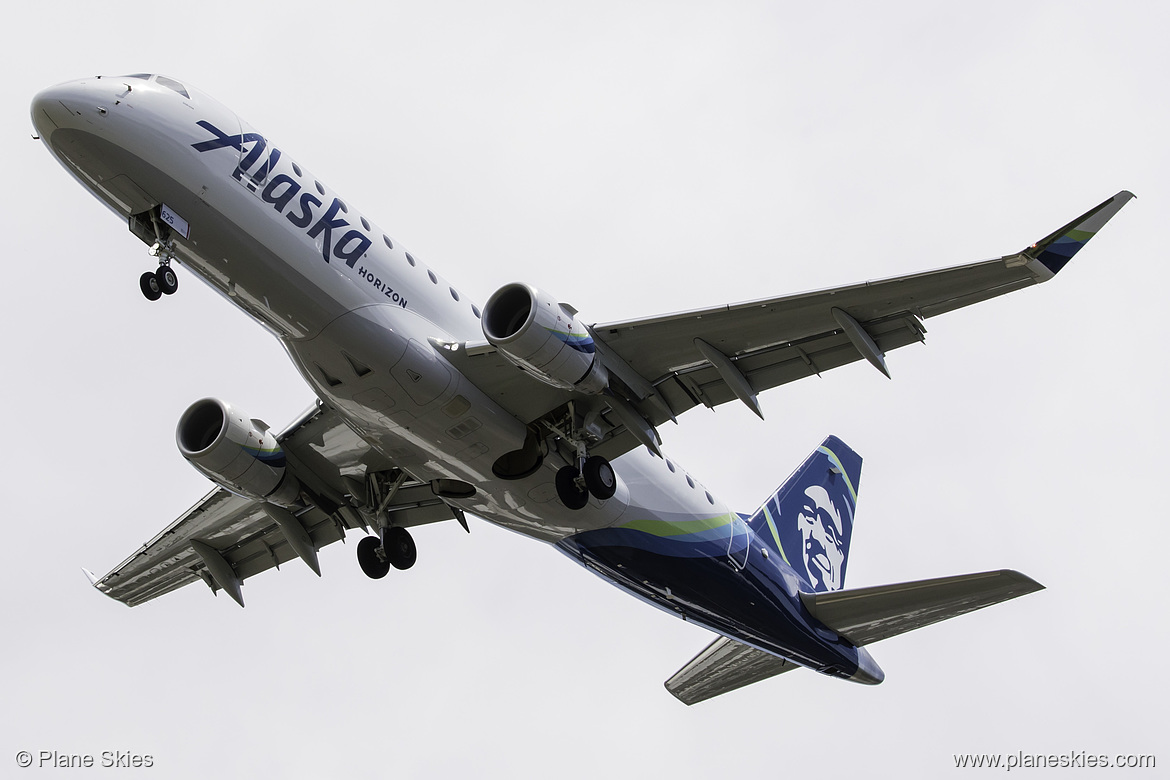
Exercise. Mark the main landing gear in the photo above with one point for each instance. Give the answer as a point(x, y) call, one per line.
point(594, 476)
point(395, 548)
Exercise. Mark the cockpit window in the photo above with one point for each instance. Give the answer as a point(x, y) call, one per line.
point(143, 76)
point(172, 84)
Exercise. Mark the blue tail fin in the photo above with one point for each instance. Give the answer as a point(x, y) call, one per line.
point(809, 519)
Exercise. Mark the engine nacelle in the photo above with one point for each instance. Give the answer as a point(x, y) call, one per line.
point(236, 452)
point(543, 337)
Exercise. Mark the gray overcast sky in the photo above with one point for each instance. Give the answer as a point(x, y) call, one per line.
point(631, 158)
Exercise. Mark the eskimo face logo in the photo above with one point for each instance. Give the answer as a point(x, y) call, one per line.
point(822, 537)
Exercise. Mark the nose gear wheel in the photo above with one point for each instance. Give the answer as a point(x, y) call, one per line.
point(168, 282)
point(150, 287)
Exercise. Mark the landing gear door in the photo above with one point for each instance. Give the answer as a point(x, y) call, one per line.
point(150, 226)
point(738, 545)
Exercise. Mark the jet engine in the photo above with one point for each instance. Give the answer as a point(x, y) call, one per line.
point(543, 337)
point(236, 452)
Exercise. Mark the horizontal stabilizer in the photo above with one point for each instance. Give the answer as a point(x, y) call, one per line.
point(724, 666)
point(867, 615)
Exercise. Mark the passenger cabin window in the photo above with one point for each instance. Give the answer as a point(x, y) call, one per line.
point(389, 243)
point(434, 279)
point(409, 259)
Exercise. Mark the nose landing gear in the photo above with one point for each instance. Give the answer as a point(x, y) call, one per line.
point(162, 282)
point(156, 284)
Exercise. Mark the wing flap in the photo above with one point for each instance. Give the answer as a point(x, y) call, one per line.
point(782, 363)
point(867, 615)
point(724, 665)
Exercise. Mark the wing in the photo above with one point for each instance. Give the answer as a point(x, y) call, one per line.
point(668, 364)
point(249, 537)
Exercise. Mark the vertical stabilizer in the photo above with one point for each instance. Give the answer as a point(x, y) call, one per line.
point(809, 519)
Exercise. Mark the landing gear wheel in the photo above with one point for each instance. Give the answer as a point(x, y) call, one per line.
point(150, 286)
point(400, 549)
point(571, 495)
point(599, 477)
point(370, 557)
point(167, 281)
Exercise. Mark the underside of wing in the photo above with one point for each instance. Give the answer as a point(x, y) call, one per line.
point(767, 343)
point(867, 615)
point(659, 367)
point(247, 537)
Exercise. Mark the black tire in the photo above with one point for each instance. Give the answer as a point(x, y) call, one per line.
point(168, 282)
point(148, 283)
point(600, 478)
point(571, 496)
point(372, 564)
point(400, 549)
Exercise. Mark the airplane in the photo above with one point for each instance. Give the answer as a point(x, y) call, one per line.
point(521, 413)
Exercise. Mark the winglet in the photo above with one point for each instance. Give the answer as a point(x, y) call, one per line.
point(1054, 251)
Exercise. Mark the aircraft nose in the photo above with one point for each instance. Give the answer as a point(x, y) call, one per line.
point(56, 106)
point(68, 104)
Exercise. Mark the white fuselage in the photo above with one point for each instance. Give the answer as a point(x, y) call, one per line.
point(362, 319)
